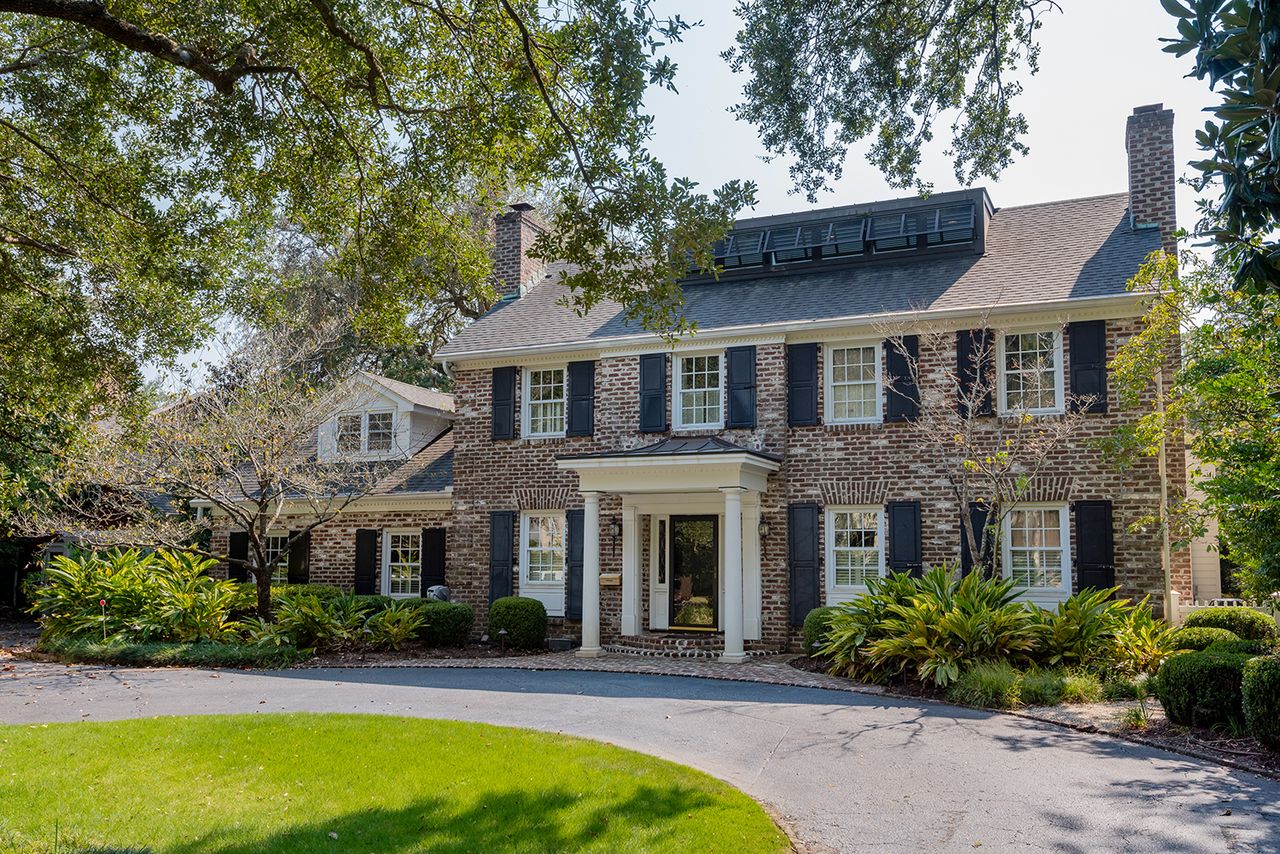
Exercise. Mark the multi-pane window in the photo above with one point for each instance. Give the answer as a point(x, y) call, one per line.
point(381, 431)
point(698, 391)
point(856, 546)
point(1032, 371)
point(544, 549)
point(349, 433)
point(854, 384)
point(1035, 555)
point(275, 547)
point(404, 563)
point(545, 401)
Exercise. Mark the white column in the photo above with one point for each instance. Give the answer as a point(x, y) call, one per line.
point(590, 576)
point(630, 570)
point(751, 565)
point(733, 649)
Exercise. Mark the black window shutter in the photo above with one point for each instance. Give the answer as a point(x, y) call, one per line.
point(366, 562)
point(299, 557)
point(433, 540)
point(653, 393)
point(905, 553)
point(903, 392)
point(741, 375)
point(501, 544)
point(802, 384)
point(806, 570)
point(582, 398)
point(573, 560)
point(975, 366)
point(504, 403)
point(1089, 364)
point(238, 556)
point(1095, 545)
point(978, 516)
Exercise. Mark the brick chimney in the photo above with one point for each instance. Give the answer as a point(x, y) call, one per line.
point(1152, 173)
point(513, 232)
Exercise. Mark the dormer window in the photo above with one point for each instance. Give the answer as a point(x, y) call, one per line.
point(381, 431)
point(366, 432)
point(349, 433)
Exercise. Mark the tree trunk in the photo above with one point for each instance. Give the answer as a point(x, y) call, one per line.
point(263, 579)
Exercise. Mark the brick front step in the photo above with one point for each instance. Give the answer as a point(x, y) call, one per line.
point(676, 645)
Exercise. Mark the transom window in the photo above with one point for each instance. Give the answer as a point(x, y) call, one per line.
point(1031, 371)
point(1036, 546)
point(403, 563)
point(855, 546)
point(350, 428)
point(544, 549)
point(275, 547)
point(699, 396)
point(853, 384)
point(544, 394)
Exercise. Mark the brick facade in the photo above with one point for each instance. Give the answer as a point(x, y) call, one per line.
point(1152, 171)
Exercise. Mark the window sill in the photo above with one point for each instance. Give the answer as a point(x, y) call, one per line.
point(850, 426)
point(698, 428)
point(549, 439)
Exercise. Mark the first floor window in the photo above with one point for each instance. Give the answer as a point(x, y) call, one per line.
point(404, 563)
point(545, 402)
point(349, 434)
point(275, 548)
point(856, 550)
point(381, 431)
point(1031, 372)
point(1036, 545)
point(544, 549)
point(854, 384)
point(698, 391)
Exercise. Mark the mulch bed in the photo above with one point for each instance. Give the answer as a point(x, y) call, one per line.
point(410, 651)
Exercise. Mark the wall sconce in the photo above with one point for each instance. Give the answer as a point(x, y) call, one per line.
point(615, 531)
point(764, 529)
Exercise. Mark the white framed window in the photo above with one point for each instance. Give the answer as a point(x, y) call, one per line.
point(1031, 373)
point(381, 431)
point(350, 433)
point(1037, 549)
point(855, 547)
point(275, 547)
point(698, 392)
point(854, 386)
point(544, 398)
point(366, 432)
point(542, 559)
point(402, 563)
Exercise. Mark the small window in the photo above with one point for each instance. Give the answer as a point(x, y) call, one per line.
point(275, 547)
point(404, 563)
point(698, 392)
point(853, 384)
point(544, 549)
point(1036, 543)
point(855, 546)
point(1031, 372)
point(349, 430)
point(544, 395)
point(381, 431)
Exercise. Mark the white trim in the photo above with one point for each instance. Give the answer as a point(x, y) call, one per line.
point(838, 592)
point(407, 501)
point(386, 561)
point(278, 534)
point(550, 593)
point(828, 381)
point(526, 412)
point(677, 381)
point(1050, 595)
point(1059, 372)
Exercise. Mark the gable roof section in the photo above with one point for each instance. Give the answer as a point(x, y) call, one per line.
point(1038, 254)
point(414, 394)
point(428, 471)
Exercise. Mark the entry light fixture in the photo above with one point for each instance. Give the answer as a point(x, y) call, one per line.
point(764, 529)
point(615, 531)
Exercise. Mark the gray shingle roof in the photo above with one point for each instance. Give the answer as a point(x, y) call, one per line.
point(429, 470)
point(678, 446)
point(415, 394)
point(1044, 253)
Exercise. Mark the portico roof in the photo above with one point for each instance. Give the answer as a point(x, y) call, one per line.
point(677, 464)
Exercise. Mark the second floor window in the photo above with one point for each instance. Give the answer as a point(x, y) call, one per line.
point(1031, 372)
point(698, 393)
point(361, 432)
point(544, 395)
point(350, 428)
point(853, 384)
point(381, 432)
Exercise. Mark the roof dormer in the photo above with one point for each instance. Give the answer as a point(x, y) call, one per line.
point(383, 419)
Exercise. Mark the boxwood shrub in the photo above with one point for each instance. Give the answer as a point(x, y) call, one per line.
point(1199, 637)
point(200, 654)
point(816, 624)
point(1245, 623)
point(524, 619)
point(372, 603)
point(1202, 688)
point(1260, 696)
point(1240, 647)
point(445, 623)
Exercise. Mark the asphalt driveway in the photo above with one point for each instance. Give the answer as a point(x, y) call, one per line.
point(849, 772)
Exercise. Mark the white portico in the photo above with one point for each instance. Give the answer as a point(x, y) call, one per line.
point(702, 499)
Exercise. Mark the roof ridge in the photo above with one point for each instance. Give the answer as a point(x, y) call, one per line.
point(1093, 198)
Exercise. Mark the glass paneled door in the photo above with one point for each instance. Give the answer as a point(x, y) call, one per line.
point(695, 572)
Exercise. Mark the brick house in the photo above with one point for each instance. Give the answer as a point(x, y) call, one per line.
point(708, 494)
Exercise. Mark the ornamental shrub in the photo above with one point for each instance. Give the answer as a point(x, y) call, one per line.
point(1245, 623)
point(394, 625)
point(524, 619)
point(1240, 647)
point(374, 603)
point(1260, 698)
point(1199, 637)
point(156, 654)
point(1081, 631)
point(816, 627)
point(445, 623)
point(323, 592)
point(1202, 688)
point(989, 685)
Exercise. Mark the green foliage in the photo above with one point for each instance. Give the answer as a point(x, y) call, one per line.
point(394, 625)
point(1123, 688)
point(161, 596)
point(524, 619)
point(1260, 699)
point(1202, 688)
point(988, 685)
point(1245, 623)
point(1082, 630)
point(373, 602)
point(1199, 637)
point(1240, 647)
point(816, 626)
point(858, 624)
point(1081, 686)
point(1142, 643)
point(323, 592)
point(445, 623)
point(159, 654)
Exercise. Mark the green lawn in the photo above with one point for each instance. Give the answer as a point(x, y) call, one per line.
point(381, 784)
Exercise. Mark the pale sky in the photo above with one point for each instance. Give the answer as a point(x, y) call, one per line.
point(1099, 60)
